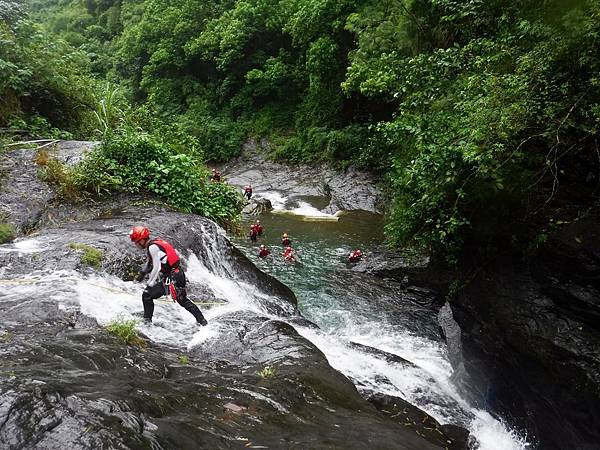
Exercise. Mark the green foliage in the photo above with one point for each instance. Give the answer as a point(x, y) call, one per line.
point(126, 331)
point(267, 372)
point(476, 112)
point(184, 359)
point(108, 114)
point(44, 83)
point(133, 161)
point(37, 125)
point(7, 233)
point(219, 138)
point(62, 178)
point(91, 256)
point(479, 117)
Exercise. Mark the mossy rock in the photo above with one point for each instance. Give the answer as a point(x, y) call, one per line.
point(7, 233)
point(91, 256)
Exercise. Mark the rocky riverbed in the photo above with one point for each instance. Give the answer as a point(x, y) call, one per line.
point(248, 380)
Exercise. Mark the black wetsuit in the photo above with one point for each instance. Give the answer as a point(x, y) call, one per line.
point(160, 289)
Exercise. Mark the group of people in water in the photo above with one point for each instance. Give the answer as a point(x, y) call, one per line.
point(288, 254)
point(166, 277)
point(256, 230)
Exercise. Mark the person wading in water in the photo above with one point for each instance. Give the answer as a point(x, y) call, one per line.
point(166, 277)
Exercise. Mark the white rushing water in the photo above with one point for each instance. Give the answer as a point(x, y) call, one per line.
point(426, 382)
point(283, 205)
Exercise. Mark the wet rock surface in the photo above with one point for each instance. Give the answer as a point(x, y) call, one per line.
point(531, 333)
point(446, 436)
point(523, 333)
point(349, 190)
point(410, 307)
point(63, 385)
point(24, 197)
point(66, 383)
point(257, 206)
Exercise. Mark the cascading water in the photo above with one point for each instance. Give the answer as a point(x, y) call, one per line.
point(345, 318)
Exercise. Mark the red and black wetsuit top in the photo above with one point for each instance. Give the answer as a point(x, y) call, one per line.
point(263, 252)
point(286, 242)
point(172, 262)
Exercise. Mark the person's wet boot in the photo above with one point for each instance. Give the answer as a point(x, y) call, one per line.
point(140, 315)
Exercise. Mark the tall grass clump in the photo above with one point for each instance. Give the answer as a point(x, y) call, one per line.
point(126, 331)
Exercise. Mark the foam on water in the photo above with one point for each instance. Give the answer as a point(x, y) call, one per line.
point(305, 210)
point(426, 383)
point(31, 245)
point(277, 199)
point(309, 212)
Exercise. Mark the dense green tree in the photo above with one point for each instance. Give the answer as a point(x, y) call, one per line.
point(43, 81)
point(476, 112)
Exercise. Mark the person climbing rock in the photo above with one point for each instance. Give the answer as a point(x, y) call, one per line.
point(253, 233)
point(216, 176)
point(355, 256)
point(285, 240)
point(259, 228)
point(288, 254)
point(248, 191)
point(263, 251)
point(165, 275)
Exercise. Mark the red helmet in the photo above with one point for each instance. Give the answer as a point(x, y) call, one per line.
point(138, 233)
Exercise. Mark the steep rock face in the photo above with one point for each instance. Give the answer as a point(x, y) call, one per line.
point(66, 383)
point(535, 327)
point(23, 195)
point(529, 333)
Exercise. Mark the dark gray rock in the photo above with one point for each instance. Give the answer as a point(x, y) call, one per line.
point(23, 196)
point(64, 382)
point(531, 333)
point(257, 206)
point(450, 437)
point(349, 190)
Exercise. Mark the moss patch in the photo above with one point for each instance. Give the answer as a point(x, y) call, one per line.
point(126, 331)
point(7, 233)
point(91, 256)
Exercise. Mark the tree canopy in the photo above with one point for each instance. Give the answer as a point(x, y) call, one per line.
point(479, 115)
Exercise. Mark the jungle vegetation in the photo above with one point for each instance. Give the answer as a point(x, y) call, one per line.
point(480, 117)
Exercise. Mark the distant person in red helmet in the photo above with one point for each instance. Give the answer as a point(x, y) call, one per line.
point(248, 191)
point(259, 228)
point(355, 256)
point(166, 277)
point(263, 251)
point(216, 176)
point(253, 233)
point(285, 240)
point(288, 254)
